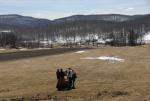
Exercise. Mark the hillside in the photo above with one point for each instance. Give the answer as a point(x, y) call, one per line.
point(108, 17)
point(18, 20)
point(81, 26)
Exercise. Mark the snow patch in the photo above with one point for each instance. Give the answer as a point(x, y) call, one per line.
point(5, 31)
point(23, 49)
point(105, 58)
point(43, 48)
point(147, 37)
point(2, 49)
point(80, 52)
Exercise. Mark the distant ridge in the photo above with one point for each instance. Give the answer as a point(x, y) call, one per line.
point(104, 17)
point(19, 20)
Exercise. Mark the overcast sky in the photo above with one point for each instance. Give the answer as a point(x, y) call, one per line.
point(53, 9)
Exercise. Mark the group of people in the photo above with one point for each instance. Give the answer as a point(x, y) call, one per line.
point(65, 79)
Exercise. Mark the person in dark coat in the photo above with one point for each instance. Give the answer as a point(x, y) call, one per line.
point(70, 77)
point(62, 80)
point(66, 80)
point(58, 79)
point(74, 76)
point(58, 74)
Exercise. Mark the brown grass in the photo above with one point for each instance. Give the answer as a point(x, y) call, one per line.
point(97, 79)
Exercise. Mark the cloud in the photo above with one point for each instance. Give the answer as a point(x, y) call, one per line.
point(93, 11)
point(53, 9)
point(129, 9)
point(126, 8)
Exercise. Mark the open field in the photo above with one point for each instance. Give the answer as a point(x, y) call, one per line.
point(97, 79)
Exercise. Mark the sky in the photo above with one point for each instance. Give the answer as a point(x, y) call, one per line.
point(53, 9)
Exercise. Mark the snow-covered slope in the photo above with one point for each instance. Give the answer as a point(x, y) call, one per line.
point(147, 38)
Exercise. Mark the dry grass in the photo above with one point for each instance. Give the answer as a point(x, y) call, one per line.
point(97, 79)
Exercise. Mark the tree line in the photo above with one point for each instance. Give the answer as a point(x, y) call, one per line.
point(113, 33)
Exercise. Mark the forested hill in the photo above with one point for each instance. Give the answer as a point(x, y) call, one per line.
point(120, 30)
point(106, 17)
point(77, 24)
point(18, 20)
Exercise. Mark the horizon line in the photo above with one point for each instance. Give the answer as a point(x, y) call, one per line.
point(72, 15)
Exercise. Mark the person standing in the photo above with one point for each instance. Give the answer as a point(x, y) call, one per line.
point(74, 76)
point(70, 77)
point(62, 79)
point(58, 79)
point(66, 80)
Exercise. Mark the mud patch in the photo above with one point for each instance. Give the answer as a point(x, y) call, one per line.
point(4, 90)
point(112, 93)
